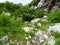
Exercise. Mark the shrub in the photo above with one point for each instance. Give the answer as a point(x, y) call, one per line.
point(39, 13)
point(9, 26)
point(57, 42)
point(2, 10)
point(27, 13)
point(6, 20)
point(54, 16)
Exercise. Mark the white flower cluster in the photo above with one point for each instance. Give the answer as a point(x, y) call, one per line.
point(28, 29)
point(6, 13)
point(29, 37)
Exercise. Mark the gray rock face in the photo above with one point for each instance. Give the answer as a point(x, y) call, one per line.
point(48, 5)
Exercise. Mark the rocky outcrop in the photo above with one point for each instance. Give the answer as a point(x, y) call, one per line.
point(47, 5)
point(41, 38)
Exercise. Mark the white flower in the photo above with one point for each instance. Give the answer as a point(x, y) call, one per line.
point(28, 29)
point(8, 14)
point(39, 24)
point(45, 17)
point(26, 38)
point(26, 22)
point(29, 36)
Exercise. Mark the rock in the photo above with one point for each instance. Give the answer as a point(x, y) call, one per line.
point(45, 36)
point(51, 40)
point(4, 39)
point(33, 41)
point(40, 4)
point(28, 43)
point(36, 20)
point(47, 5)
point(44, 20)
point(38, 33)
point(55, 28)
point(54, 9)
point(41, 39)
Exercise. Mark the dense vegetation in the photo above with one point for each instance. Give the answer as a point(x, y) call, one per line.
point(12, 24)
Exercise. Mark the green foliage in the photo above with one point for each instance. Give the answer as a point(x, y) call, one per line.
point(24, 12)
point(54, 16)
point(6, 20)
point(39, 13)
point(47, 43)
point(13, 28)
point(27, 13)
point(56, 34)
point(12, 25)
point(57, 42)
point(1, 4)
point(2, 10)
point(8, 6)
